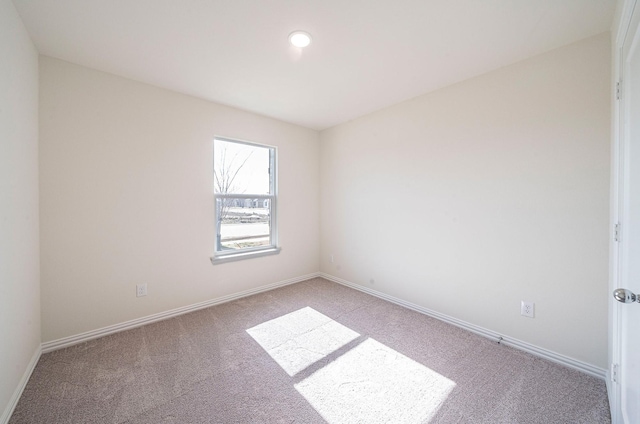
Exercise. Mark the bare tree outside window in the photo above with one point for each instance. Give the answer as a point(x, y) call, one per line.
point(225, 174)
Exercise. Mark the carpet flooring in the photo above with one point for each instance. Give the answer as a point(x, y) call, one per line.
point(311, 352)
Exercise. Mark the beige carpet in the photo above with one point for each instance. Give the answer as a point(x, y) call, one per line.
point(312, 352)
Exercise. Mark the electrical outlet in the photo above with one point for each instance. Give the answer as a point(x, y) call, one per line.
point(331, 258)
point(527, 308)
point(141, 290)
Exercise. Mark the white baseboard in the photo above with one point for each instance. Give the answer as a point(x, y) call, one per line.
point(4, 419)
point(506, 340)
point(94, 334)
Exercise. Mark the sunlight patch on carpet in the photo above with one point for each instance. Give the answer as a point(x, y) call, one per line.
point(301, 338)
point(374, 383)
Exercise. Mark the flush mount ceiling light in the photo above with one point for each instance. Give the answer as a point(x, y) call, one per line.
point(300, 38)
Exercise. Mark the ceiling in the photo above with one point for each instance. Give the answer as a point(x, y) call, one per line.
point(365, 55)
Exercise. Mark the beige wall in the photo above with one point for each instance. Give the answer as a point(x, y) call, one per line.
point(480, 195)
point(19, 251)
point(126, 198)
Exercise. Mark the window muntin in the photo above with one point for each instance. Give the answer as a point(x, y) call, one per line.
point(245, 200)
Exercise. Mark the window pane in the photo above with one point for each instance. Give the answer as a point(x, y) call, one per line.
point(240, 168)
point(243, 223)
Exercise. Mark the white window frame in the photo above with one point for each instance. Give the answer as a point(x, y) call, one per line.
point(273, 248)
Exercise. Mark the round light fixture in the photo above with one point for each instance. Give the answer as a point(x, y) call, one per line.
point(300, 38)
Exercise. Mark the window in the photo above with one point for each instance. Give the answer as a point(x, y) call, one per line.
point(245, 199)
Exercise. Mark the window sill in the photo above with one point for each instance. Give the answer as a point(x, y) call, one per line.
point(215, 260)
